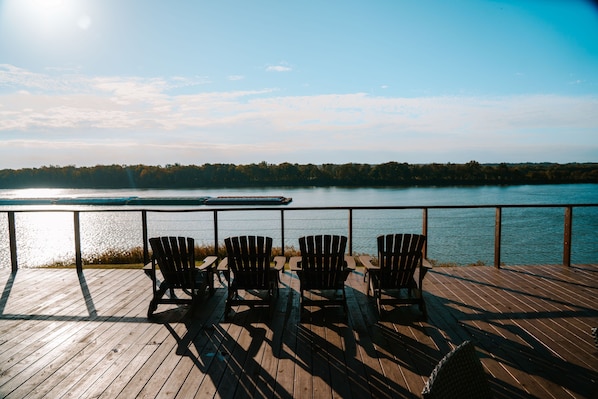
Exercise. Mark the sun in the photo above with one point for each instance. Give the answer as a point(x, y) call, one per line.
point(45, 19)
point(42, 16)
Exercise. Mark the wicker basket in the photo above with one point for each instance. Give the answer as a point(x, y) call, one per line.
point(459, 374)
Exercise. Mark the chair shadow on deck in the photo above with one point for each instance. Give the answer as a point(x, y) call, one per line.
point(253, 355)
point(226, 354)
point(534, 358)
point(362, 356)
point(531, 355)
point(340, 364)
point(389, 341)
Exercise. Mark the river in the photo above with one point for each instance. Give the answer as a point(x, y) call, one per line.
point(455, 236)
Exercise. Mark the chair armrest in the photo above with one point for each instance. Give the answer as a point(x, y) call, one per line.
point(350, 261)
point(223, 265)
point(366, 261)
point(425, 268)
point(294, 263)
point(208, 262)
point(279, 262)
point(426, 263)
point(147, 269)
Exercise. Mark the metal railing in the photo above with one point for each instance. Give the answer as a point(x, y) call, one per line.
point(215, 212)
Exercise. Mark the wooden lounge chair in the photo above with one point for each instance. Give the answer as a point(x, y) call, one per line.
point(400, 256)
point(459, 374)
point(247, 267)
point(176, 260)
point(323, 266)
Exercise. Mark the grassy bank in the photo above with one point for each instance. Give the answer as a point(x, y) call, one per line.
point(133, 258)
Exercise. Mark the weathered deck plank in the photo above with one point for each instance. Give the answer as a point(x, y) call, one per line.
point(64, 335)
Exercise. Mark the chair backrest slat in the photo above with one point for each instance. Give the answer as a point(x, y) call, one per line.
point(249, 260)
point(399, 255)
point(323, 261)
point(176, 259)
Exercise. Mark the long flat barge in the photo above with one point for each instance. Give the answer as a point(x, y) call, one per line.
point(120, 201)
point(247, 200)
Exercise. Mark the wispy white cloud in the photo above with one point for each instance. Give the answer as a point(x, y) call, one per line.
point(278, 68)
point(127, 119)
point(12, 77)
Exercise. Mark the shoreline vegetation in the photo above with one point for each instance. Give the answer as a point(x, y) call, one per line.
point(389, 174)
point(133, 258)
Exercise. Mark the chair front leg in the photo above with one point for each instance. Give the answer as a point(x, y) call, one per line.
point(229, 300)
point(210, 276)
point(370, 283)
point(345, 306)
point(158, 294)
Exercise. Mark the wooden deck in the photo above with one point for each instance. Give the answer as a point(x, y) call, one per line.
point(68, 336)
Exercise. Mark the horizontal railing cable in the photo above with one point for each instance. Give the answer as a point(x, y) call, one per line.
point(495, 233)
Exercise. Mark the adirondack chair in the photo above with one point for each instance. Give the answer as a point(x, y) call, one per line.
point(460, 374)
point(323, 266)
point(247, 267)
point(400, 256)
point(175, 258)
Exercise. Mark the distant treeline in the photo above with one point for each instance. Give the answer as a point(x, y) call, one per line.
point(287, 174)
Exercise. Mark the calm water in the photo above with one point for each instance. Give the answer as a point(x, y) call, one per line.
point(462, 236)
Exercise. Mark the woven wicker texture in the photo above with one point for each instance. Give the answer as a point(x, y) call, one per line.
point(459, 374)
point(595, 334)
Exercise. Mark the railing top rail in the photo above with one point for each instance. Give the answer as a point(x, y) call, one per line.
point(175, 208)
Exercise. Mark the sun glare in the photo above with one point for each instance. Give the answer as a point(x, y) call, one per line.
point(47, 19)
point(46, 15)
point(40, 192)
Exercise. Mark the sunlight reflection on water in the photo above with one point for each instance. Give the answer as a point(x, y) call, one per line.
point(42, 237)
point(462, 236)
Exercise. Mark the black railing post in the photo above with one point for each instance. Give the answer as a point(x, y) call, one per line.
point(146, 258)
point(215, 232)
point(350, 231)
point(497, 236)
point(425, 231)
point(12, 237)
point(282, 231)
point(78, 259)
point(568, 235)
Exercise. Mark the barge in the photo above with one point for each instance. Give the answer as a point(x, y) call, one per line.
point(248, 200)
point(152, 201)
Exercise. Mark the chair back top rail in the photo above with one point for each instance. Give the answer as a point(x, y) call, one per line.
point(323, 264)
point(399, 256)
point(322, 252)
point(176, 258)
point(248, 258)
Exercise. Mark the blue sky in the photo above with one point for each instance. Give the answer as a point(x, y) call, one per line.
point(89, 82)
